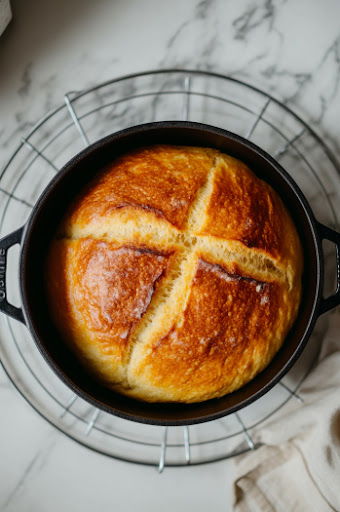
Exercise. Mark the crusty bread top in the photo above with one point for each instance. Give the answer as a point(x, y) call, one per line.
point(180, 274)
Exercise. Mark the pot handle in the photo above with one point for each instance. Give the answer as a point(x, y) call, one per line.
point(5, 243)
point(329, 234)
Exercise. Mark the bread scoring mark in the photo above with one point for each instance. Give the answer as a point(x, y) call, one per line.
point(138, 248)
point(170, 298)
point(146, 250)
point(228, 276)
point(140, 311)
point(146, 207)
point(198, 208)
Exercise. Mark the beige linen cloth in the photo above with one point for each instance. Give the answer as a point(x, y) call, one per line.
point(298, 469)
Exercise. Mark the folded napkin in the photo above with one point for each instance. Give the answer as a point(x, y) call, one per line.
point(5, 14)
point(298, 466)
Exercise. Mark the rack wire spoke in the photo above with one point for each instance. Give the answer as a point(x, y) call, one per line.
point(38, 152)
point(68, 405)
point(75, 119)
point(257, 120)
point(187, 453)
point(92, 422)
point(162, 455)
point(248, 437)
point(13, 196)
point(293, 393)
point(187, 90)
point(287, 145)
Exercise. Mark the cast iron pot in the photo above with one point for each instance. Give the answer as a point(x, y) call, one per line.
point(35, 236)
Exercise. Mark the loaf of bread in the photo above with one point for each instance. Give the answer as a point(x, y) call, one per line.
point(176, 275)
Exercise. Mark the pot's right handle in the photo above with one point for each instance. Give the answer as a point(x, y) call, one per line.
point(5, 243)
point(327, 233)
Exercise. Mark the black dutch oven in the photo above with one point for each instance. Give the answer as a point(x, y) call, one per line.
point(35, 236)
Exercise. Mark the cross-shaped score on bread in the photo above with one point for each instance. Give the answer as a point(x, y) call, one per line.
point(180, 274)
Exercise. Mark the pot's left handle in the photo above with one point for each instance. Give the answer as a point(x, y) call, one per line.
point(5, 243)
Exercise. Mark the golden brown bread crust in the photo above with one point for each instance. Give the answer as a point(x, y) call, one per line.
point(178, 274)
point(99, 293)
point(161, 180)
point(229, 331)
point(245, 209)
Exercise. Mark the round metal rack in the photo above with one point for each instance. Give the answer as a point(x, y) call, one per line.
point(83, 118)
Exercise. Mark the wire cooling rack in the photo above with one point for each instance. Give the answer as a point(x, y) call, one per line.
point(81, 119)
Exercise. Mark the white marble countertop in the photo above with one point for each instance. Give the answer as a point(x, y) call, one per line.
point(289, 48)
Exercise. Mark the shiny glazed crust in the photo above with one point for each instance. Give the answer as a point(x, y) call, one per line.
point(176, 275)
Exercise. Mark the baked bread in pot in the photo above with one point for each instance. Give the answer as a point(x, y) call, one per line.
point(176, 275)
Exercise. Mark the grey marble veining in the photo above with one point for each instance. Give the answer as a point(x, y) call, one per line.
point(35, 465)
